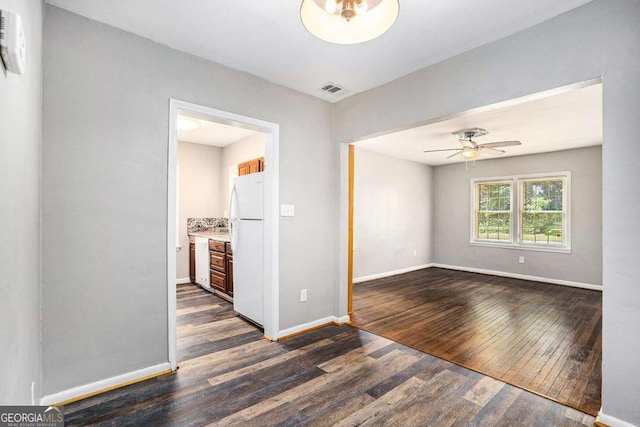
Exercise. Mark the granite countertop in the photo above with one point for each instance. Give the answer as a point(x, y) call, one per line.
point(211, 234)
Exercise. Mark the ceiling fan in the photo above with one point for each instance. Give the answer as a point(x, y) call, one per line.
point(471, 149)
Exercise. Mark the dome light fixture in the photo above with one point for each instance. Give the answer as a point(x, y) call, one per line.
point(348, 21)
point(470, 153)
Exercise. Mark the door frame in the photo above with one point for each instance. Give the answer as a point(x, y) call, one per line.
point(350, 243)
point(271, 213)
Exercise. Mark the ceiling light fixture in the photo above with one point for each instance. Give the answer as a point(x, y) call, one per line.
point(470, 153)
point(348, 21)
point(185, 123)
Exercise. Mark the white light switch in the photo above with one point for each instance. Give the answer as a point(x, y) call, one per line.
point(287, 210)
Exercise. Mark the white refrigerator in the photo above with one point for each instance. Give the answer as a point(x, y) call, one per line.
point(246, 229)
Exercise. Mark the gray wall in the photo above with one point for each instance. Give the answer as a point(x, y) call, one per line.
point(451, 229)
point(598, 39)
point(247, 148)
point(392, 214)
point(106, 112)
point(199, 193)
point(20, 157)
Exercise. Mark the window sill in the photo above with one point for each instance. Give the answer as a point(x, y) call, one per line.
point(521, 247)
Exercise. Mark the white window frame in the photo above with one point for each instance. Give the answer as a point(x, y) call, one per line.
point(516, 195)
point(511, 212)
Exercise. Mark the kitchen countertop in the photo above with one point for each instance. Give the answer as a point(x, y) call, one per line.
point(212, 235)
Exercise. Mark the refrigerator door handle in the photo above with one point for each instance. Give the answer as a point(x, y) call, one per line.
point(232, 219)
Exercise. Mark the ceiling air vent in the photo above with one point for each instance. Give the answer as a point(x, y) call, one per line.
point(333, 89)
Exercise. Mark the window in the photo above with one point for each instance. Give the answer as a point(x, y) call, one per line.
point(536, 216)
point(542, 215)
point(493, 215)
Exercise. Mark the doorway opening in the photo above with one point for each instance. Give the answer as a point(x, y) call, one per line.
point(569, 121)
point(270, 133)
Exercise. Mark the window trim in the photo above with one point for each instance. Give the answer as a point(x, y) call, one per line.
point(511, 212)
point(516, 242)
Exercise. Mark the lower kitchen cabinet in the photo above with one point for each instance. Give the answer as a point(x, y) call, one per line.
point(218, 281)
point(192, 259)
point(229, 270)
point(221, 267)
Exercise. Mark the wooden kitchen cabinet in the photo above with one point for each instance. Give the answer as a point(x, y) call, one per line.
point(218, 261)
point(217, 266)
point(254, 166)
point(218, 281)
point(221, 269)
point(192, 259)
point(229, 270)
point(251, 166)
point(217, 246)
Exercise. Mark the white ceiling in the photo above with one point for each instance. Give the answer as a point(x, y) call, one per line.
point(554, 121)
point(211, 133)
point(267, 39)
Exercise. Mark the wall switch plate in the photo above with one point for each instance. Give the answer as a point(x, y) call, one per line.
point(303, 295)
point(287, 210)
point(521, 260)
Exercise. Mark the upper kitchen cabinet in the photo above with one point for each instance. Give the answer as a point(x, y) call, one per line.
point(251, 166)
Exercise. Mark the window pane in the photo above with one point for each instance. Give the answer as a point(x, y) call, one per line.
point(494, 196)
point(493, 217)
point(543, 227)
point(542, 195)
point(494, 226)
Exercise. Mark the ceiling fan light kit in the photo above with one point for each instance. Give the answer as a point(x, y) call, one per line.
point(471, 149)
point(470, 153)
point(348, 21)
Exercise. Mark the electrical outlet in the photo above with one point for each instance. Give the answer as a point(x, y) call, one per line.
point(303, 295)
point(521, 260)
point(415, 252)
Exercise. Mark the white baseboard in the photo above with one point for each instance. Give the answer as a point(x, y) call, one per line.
point(183, 281)
point(310, 325)
point(521, 276)
point(389, 273)
point(612, 421)
point(103, 385)
point(342, 319)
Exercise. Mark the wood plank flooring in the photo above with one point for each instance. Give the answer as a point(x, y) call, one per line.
point(543, 338)
point(336, 375)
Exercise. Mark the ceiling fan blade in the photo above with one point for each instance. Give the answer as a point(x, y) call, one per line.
point(492, 151)
point(455, 154)
point(500, 144)
point(445, 149)
point(468, 143)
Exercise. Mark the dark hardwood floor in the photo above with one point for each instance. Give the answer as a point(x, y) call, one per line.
point(336, 375)
point(540, 337)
